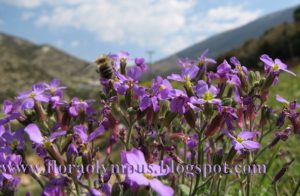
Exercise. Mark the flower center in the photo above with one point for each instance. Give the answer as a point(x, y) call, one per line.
point(208, 96)
point(32, 95)
point(14, 144)
point(148, 176)
point(239, 140)
point(53, 90)
point(187, 78)
point(276, 67)
point(162, 87)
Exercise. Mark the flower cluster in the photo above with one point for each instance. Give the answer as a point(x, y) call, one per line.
point(208, 113)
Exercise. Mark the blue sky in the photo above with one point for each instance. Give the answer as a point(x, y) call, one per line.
point(87, 28)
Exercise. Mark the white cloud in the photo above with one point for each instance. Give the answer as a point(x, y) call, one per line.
point(26, 16)
point(162, 25)
point(59, 43)
point(74, 43)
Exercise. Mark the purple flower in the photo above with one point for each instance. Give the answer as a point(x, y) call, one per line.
point(223, 70)
point(161, 88)
point(192, 141)
point(180, 102)
point(205, 94)
point(14, 140)
point(10, 110)
point(238, 66)
point(72, 150)
point(274, 65)
point(124, 82)
point(36, 94)
point(234, 80)
point(140, 62)
point(186, 75)
point(147, 101)
point(293, 105)
point(136, 159)
point(36, 136)
point(185, 62)
point(76, 106)
point(204, 60)
point(81, 131)
point(54, 88)
point(243, 142)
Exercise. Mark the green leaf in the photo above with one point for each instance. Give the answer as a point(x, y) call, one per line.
point(184, 189)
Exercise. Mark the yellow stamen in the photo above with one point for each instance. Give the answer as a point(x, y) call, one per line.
point(148, 176)
point(276, 67)
point(162, 87)
point(239, 140)
point(32, 95)
point(208, 96)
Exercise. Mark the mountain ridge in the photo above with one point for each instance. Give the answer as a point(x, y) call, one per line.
point(225, 41)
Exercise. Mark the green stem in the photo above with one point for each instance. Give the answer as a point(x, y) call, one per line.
point(129, 136)
point(297, 188)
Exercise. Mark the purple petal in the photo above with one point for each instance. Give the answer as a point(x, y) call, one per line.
point(24, 95)
point(7, 106)
point(38, 88)
point(54, 135)
point(176, 77)
point(73, 111)
point(155, 104)
point(201, 88)
point(27, 104)
point(121, 88)
point(213, 90)
point(34, 133)
point(41, 98)
point(288, 71)
point(140, 179)
point(54, 83)
point(267, 60)
point(96, 133)
point(250, 145)
point(160, 188)
point(237, 146)
point(145, 102)
point(204, 54)
point(281, 99)
point(81, 131)
point(191, 71)
point(135, 157)
point(246, 135)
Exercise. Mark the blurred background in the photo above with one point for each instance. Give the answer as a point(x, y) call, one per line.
point(45, 39)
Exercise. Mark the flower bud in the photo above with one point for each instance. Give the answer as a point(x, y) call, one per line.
point(215, 125)
point(280, 119)
point(54, 152)
point(72, 150)
point(281, 172)
point(190, 118)
point(169, 118)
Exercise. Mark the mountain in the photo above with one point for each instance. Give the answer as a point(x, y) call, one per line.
point(223, 42)
point(282, 41)
point(23, 63)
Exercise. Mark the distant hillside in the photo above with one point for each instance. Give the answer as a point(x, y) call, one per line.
point(23, 63)
point(225, 41)
point(282, 41)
